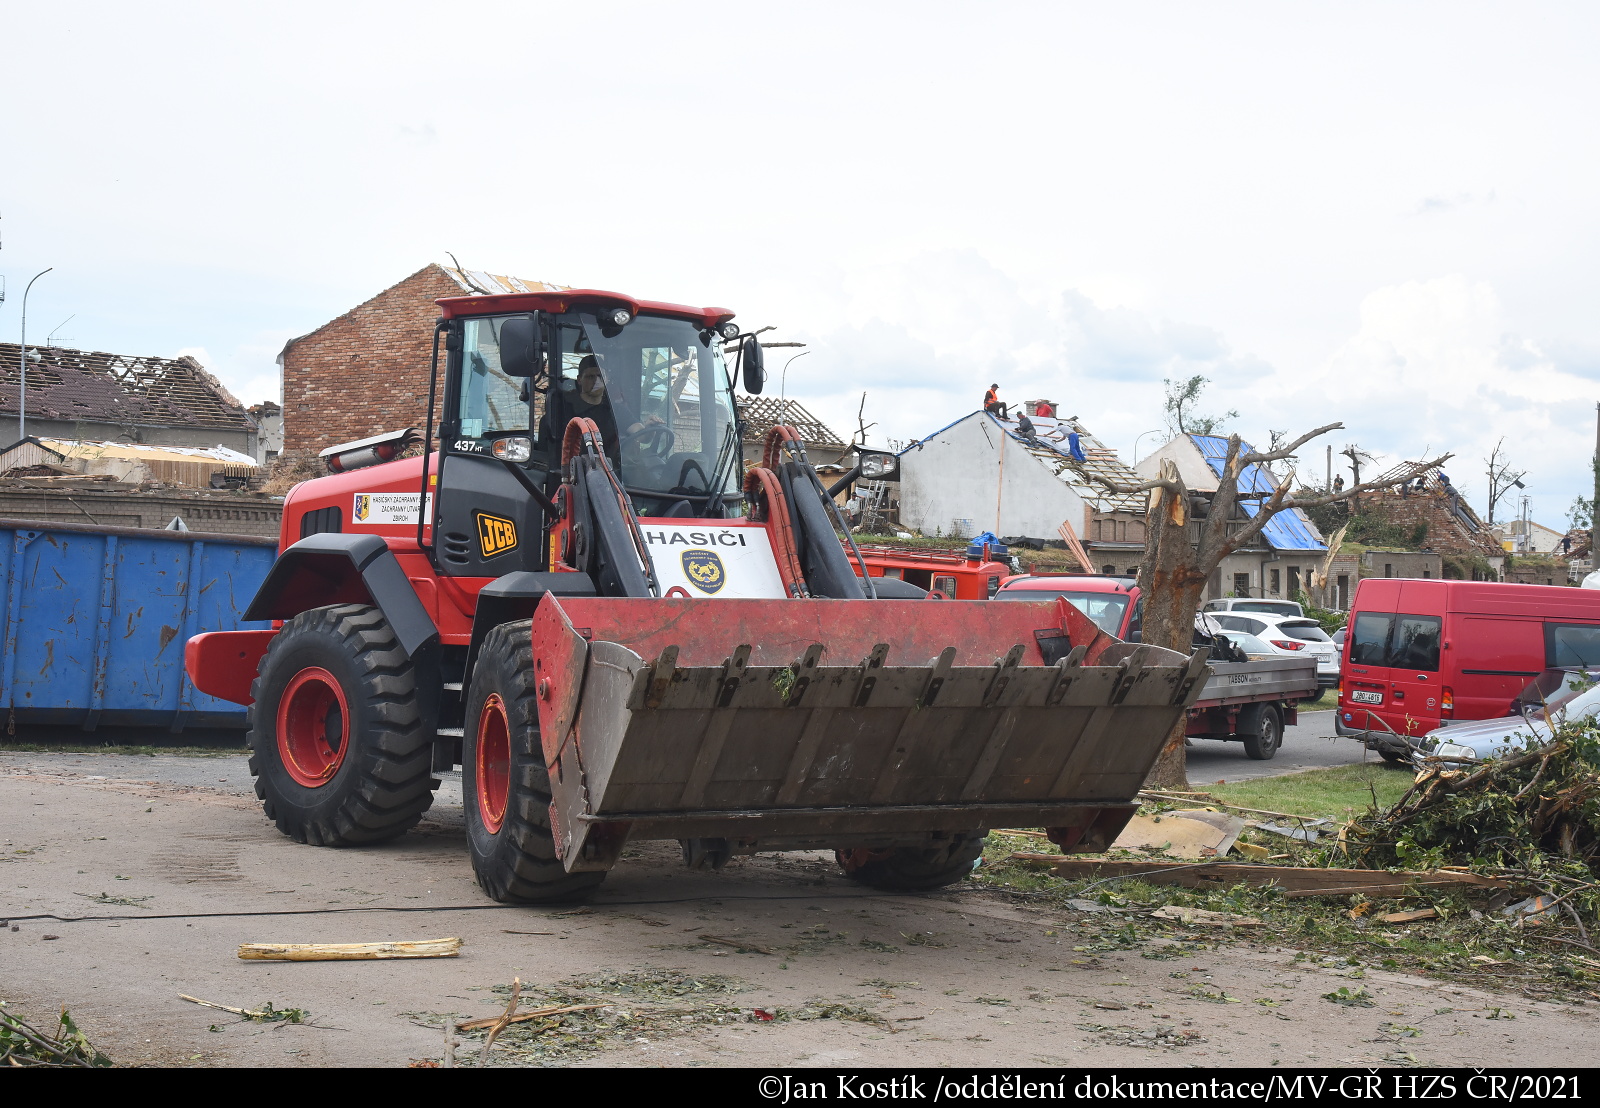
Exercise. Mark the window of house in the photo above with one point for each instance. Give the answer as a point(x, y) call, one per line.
point(1108, 569)
point(1294, 580)
point(1344, 590)
point(1388, 569)
point(1241, 584)
point(1277, 580)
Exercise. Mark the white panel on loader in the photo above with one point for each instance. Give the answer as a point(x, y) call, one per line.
point(701, 558)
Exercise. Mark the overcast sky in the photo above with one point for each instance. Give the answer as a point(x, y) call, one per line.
point(1377, 213)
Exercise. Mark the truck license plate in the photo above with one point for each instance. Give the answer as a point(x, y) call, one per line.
point(1362, 696)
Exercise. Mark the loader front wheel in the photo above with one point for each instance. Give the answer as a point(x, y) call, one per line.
point(339, 750)
point(913, 869)
point(505, 787)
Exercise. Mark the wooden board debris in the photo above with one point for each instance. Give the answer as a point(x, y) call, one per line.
point(1299, 881)
point(530, 1014)
point(1410, 917)
point(345, 952)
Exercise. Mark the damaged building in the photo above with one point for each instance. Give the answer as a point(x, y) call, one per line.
point(1282, 558)
point(99, 396)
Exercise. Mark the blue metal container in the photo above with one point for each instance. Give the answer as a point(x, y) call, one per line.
point(96, 619)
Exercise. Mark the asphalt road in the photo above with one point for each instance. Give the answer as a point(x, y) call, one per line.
point(1310, 744)
point(127, 893)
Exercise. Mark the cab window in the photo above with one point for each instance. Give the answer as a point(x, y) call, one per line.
point(1369, 640)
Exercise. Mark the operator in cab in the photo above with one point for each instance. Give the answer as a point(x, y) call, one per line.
point(589, 400)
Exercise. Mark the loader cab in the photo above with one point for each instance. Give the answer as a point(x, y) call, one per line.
point(656, 386)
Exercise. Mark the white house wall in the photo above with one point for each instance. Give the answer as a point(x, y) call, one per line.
point(1196, 472)
point(957, 475)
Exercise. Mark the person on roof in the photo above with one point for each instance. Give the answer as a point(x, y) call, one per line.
point(993, 404)
point(1026, 430)
point(1044, 409)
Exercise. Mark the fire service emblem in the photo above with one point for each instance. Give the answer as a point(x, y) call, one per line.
point(704, 570)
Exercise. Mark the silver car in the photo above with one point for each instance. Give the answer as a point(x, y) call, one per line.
point(1555, 697)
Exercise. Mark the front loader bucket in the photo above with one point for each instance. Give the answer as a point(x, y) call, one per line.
point(786, 724)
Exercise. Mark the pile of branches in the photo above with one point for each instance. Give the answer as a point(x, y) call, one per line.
point(22, 1044)
point(1533, 814)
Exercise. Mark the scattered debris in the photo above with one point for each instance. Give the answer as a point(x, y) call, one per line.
point(741, 945)
point(1202, 916)
point(1306, 834)
point(265, 1014)
point(343, 952)
point(22, 1044)
point(1146, 1039)
point(1351, 998)
point(503, 931)
point(1526, 909)
point(1410, 917)
point(529, 1014)
point(1181, 834)
point(584, 1015)
point(1297, 880)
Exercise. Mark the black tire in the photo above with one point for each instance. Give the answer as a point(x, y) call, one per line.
point(1395, 757)
point(1262, 731)
point(374, 754)
point(913, 869)
point(513, 856)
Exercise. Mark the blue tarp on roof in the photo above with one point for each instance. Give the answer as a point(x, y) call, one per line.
point(1284, 531)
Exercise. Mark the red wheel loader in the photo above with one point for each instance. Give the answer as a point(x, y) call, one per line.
point(580, 594)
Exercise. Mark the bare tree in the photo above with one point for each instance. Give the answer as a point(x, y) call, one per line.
point(1178, 562)
point(1181, 399)
point(1502, 478)
point(1358, 458)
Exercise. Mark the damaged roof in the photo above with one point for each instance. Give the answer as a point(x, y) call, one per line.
point(762, 413)
point(122, 389)
point(1290, 530)
point(1052, 447)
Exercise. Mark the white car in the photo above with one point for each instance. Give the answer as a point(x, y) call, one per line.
point(1260, 607)
point(1254, 648)
point(1289, 637)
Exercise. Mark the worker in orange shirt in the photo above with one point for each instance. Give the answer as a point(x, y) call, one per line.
point(992, 403)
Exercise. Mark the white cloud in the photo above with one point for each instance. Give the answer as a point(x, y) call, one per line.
point(1436, 364)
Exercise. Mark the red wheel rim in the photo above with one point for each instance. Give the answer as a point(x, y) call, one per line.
point(313, 727)
point(492, 763)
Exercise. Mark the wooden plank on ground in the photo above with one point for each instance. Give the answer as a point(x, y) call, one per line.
point(1299, 881)
point(345, 952)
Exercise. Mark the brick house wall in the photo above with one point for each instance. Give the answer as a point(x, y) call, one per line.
point(366, 371)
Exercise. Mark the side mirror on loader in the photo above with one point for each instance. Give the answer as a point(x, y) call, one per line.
point(521, 350)
point(753, 364)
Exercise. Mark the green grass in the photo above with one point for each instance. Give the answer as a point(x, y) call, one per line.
point(1338, 793)
point(1327, 701)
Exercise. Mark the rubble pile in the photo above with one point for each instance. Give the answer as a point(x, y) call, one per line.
point(1534, 813)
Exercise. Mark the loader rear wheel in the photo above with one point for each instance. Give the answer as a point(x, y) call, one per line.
point(505, 787)
point(339, 750)
point(913, 869)
point(1261, 731)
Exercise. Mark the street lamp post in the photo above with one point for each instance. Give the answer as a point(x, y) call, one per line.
point(22, 363)
point(1140, 439)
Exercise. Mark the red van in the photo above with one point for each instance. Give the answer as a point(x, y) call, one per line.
point(1423, 654)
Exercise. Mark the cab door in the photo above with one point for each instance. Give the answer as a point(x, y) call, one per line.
point(1413, 674)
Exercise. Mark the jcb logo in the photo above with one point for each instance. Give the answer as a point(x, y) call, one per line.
point(496, 535)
